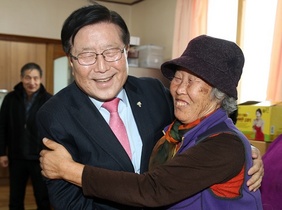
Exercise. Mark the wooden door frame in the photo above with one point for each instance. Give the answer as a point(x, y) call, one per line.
point(54, 50)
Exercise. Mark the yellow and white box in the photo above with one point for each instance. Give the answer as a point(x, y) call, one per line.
point(260, 121)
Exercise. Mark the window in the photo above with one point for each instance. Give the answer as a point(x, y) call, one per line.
point(257, 40)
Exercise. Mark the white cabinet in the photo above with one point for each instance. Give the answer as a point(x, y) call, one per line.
point(3, 93)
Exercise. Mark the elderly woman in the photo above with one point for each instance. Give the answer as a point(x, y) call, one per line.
point(202, 160)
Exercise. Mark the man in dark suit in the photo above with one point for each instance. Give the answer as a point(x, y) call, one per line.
point(96, 41)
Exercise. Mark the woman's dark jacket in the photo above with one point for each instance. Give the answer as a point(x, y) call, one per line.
point(17, 133)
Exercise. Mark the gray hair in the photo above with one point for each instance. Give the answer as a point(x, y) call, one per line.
point(229, 104)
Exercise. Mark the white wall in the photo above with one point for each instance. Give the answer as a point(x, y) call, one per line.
point(151, 20)
point(43, 18)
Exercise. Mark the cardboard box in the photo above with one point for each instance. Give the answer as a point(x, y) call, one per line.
point(271, 119)
point(261, 145)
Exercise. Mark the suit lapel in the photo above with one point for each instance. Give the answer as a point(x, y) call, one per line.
point(140, 108)
point(98, 130)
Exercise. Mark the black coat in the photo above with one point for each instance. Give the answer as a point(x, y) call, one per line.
point(18, 134)
point(70, 118)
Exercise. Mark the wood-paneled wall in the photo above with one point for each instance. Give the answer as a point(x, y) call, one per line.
point(15, 55)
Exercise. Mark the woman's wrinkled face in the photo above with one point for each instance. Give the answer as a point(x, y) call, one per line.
point(191, 96)
point(101, 80)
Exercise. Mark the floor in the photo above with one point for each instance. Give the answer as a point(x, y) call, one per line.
point(4, 198)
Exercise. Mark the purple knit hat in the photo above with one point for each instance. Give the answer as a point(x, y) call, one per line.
point(217, 61)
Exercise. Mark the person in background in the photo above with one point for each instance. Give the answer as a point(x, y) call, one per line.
point(201, 162)
point(19, 141)
point(96, 40)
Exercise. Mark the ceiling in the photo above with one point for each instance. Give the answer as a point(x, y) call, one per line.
point(127, 2)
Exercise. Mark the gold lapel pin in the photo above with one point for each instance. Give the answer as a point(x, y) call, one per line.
point(139, 104)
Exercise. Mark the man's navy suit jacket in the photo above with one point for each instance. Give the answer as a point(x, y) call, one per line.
point(71, 119)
